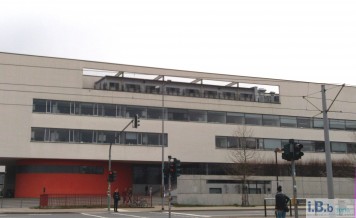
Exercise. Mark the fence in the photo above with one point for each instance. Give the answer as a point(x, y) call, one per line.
point(68, 200)
point(18, 202)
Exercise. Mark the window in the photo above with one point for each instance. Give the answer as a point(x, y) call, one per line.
point(151, 139)
point(133, 88)
point(233, 142)
point(154, 113)
point(215, 191)
point(307, 145)
point(192, 92)
point(229, 95)
point(211, 94)
point(37, 134)
point(221, 142)
point(131, 111)
point(318, 123)
point(39, 105)
point(350, 125)
point(58, 135)
point(337, 124)
point(319, 146)
point(253, 119)
point(304, 122)
point(177, 114)
point(288, 121)
point(197, 115)
point(270, 120)
point(272, 144)
point(108, 110)
point(152, 89)
point(339, 147)
point(60, 107)
point(351, 147)
point(133, 138)
point(172, 91)
point(236, 118)
point(105, 137)
point(84, 136)
point(84, 108)
point(216, 117)
point(248, 143)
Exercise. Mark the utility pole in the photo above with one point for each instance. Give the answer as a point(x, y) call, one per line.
point(329, 169)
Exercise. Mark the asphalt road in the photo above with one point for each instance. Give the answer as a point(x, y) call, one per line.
point(180, 214)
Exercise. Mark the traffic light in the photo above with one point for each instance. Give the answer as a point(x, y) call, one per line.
point(111, 176)
point(114, 175)
point(298, 151)
point(292, 151)
point(177, 167)
point(172, 169)
point(286, 155)
point(136, 121)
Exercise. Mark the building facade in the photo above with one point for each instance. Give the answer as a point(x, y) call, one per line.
point(59, 117)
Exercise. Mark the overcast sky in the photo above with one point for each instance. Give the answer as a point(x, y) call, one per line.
point(304, 40)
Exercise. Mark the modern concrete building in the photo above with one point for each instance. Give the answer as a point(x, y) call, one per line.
point(59, 116)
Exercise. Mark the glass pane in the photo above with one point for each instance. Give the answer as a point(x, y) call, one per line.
point(131, 138)
point(249, 143)
point(237, 118)
point(288, 121)
point(153, 139)
point(221, 142)
point(307, 145)
point(270, 120)
point(198, 116)
point(351, 148)
point(232, 142)
point(61, 107)
point(39, 105)
point(253, 119)
point(85, 108)
point(337, 124)
point(216, 117)
point(154, 113)
point(108, 110)
point(59, 135)
point(85, 136)
point(304, 122)
point(319, 146)
point(37, 134)
point(350, 125)
point(177, 114)
point(106, 137)
point(271, 144)
point(318, 123)
point(131, 111)
point(340, 147)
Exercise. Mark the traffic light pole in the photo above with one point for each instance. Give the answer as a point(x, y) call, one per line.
point(109, 167)
point(294, 190)
point(169, 188)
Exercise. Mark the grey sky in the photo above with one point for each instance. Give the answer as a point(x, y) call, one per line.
point(307, 40)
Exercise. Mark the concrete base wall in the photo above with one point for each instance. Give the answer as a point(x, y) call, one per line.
point(194, 189)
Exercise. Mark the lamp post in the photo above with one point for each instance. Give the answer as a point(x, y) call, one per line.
point(162, 145)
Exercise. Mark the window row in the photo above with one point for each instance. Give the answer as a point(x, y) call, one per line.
point(177, 114)
point(190, 90)
point(272, 144)
point(96, 136)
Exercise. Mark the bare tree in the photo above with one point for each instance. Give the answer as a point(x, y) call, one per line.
point(243, 159)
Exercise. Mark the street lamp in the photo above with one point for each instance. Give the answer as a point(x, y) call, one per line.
point(162, 143)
